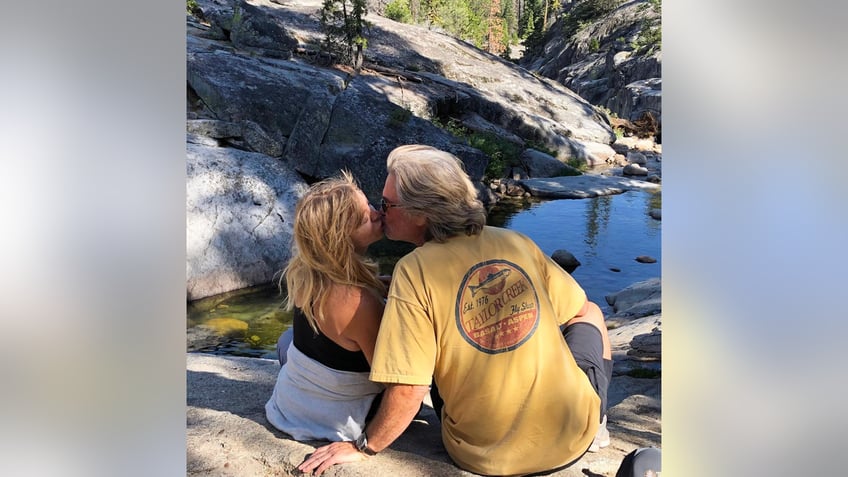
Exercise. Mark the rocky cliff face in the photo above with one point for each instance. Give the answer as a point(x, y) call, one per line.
point(613, 60)
point(258, 84)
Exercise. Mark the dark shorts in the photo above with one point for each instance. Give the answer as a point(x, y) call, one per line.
point(587, 347)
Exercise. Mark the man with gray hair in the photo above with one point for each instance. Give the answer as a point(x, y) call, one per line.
point(516, 353)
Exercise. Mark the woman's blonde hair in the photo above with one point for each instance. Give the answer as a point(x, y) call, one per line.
point(432, 183)
point(323, 253)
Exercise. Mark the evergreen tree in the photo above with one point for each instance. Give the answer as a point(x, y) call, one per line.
point(343, 22)
point(529, 18)
point(510, 21)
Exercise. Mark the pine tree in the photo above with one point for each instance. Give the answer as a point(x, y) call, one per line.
point(343, 22)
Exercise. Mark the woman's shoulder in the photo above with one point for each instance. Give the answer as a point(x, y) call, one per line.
point(346, 300)
point(340, 291)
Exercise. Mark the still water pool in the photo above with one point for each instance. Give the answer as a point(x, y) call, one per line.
point(606, 234)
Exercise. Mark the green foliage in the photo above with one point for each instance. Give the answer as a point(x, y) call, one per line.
point(193, 8)
point(649, 38)
point(594, 44)
point(455, 17)
point(655, 5)
point(452, 126)
point(650, 35)
point(344, 25)
point(531, 25)
point(525, 24)
point(607, 111)
point(464, 19)
point(398, 117)
point(510, 22)
point(585, 13)
point(468, 20)
point(578, 164)
point(432, 9)
point(619, 132)
point(237, 15)
point(398, 10)
point(502, 153)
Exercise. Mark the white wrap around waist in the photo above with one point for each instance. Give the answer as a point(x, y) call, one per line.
point(314, 402)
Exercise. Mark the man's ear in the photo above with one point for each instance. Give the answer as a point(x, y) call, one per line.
point(418, 220)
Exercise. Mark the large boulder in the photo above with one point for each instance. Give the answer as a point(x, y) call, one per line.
point(239, 211)
point(365, 125)
point(249, 28)
point(277, 95)
point(638, 300)
point(539, 164)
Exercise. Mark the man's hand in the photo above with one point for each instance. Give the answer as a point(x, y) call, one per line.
point(335, 453)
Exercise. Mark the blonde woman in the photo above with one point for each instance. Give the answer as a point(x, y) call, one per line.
point(323, 391)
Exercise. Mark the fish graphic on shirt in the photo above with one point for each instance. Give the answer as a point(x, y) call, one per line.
point(492, 283)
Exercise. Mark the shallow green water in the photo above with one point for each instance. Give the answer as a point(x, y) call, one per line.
point(606, 234)
point(246, 323)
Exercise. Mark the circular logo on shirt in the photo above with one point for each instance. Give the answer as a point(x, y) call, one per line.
point(496, 307)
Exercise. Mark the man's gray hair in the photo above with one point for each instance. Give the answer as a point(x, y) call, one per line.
point(432, 183)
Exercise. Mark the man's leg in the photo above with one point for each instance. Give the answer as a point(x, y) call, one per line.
point(588, 341)
point(595, 317)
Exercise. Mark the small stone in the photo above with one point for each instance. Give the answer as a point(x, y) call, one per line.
point(637, 158)
point(646, 259)
point(566, 260)
point(634, 170)
point(616, 270)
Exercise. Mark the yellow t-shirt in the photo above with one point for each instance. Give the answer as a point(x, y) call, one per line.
point(481, 315)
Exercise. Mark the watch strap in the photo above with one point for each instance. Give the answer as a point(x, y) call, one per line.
point(362, 445)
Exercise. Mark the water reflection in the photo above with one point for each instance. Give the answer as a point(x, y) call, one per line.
point(597, 218)
point(605, 233)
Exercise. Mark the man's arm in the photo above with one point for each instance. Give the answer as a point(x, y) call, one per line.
point(399, 406)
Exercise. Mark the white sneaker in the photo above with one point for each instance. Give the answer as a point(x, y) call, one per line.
point(602, 437)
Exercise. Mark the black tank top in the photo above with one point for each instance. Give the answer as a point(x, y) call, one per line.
point(323, 349)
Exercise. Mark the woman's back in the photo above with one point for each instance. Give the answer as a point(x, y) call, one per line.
point(324, 350)
point(323, 390)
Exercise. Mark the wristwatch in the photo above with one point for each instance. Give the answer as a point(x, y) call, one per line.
point(362, 444)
